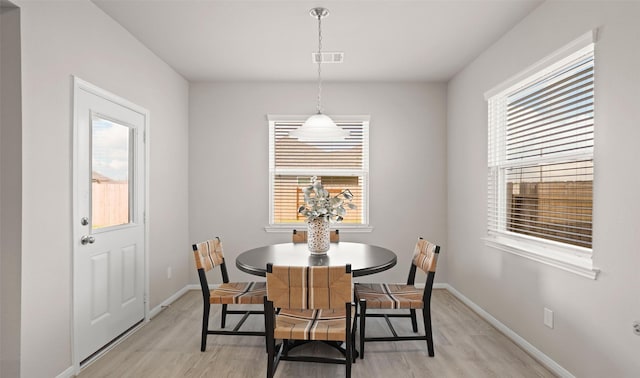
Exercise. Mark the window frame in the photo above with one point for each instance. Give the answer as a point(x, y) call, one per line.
point(564, 256)
point(364, 172)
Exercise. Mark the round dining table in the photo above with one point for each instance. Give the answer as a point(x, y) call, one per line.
point(365, 259)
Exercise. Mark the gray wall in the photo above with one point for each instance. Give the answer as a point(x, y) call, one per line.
point(228, 162)
point(592, 335)
point(10, 189)
point(61, 39)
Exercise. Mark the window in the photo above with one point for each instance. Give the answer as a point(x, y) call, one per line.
point(339, 165)
point(540, 158)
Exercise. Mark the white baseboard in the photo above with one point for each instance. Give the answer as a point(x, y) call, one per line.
point(156, 310)
point(70, 372)
point(521, 342)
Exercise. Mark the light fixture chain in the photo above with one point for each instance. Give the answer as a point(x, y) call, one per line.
point(319, 57)
point(319, 127)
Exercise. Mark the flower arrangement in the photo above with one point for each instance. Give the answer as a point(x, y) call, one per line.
point(320, 205)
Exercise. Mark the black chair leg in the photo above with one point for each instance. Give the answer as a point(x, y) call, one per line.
point(348, 359)
point(270, 361)
point(354, 330)
point(270, 341)
point(363, 315)
point(271, 358)
point(414, 320)
point(205, 326)
point(426, 316)
point(223, 319)
point(354, 352)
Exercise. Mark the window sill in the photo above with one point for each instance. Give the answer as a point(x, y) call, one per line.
point(344, 228)
point(564, 258)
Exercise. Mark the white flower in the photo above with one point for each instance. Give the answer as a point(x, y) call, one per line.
point(320, 204)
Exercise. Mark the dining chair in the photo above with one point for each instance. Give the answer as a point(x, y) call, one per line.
point(208, 255)
point(301, 236)
point(315, 303)
point(386, 296)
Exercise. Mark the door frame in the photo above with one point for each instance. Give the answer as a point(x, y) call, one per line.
point(79, 84)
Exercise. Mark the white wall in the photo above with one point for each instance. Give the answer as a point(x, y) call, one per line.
point(228, 162)
point(592, 335)
point(61, 39)
point(10, 189)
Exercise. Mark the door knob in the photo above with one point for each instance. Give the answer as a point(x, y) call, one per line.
point(86, 239)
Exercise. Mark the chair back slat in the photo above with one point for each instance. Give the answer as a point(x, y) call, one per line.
point(425, 256)
point(208, 254)
point(301, 236)
point(334, 236)
point(309, 287)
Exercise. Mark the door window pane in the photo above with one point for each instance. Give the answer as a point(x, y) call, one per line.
point(110, 173)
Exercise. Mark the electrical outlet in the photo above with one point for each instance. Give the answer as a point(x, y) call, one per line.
point(169, 273)
point(548, 318)
point(636, 327)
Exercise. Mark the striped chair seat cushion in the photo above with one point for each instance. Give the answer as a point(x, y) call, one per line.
point(389, 296)
point(239, 293)
point(312, 324)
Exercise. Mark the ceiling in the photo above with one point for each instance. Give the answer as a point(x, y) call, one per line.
point(264, 40)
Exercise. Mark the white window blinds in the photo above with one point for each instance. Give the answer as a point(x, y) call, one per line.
point(338, 164)
point(540, 162)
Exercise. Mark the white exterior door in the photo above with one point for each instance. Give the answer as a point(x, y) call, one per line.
point(109, 210)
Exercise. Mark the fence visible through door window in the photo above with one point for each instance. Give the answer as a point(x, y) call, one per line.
point(111, 152)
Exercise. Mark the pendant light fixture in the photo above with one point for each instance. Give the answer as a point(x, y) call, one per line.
point(319, 127)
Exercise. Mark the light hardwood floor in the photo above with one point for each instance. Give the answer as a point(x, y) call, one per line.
point(169, 346)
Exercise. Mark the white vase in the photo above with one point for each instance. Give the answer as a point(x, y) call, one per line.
point(318, 236)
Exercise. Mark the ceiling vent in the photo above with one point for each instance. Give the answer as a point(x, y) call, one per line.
point(327, 57)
